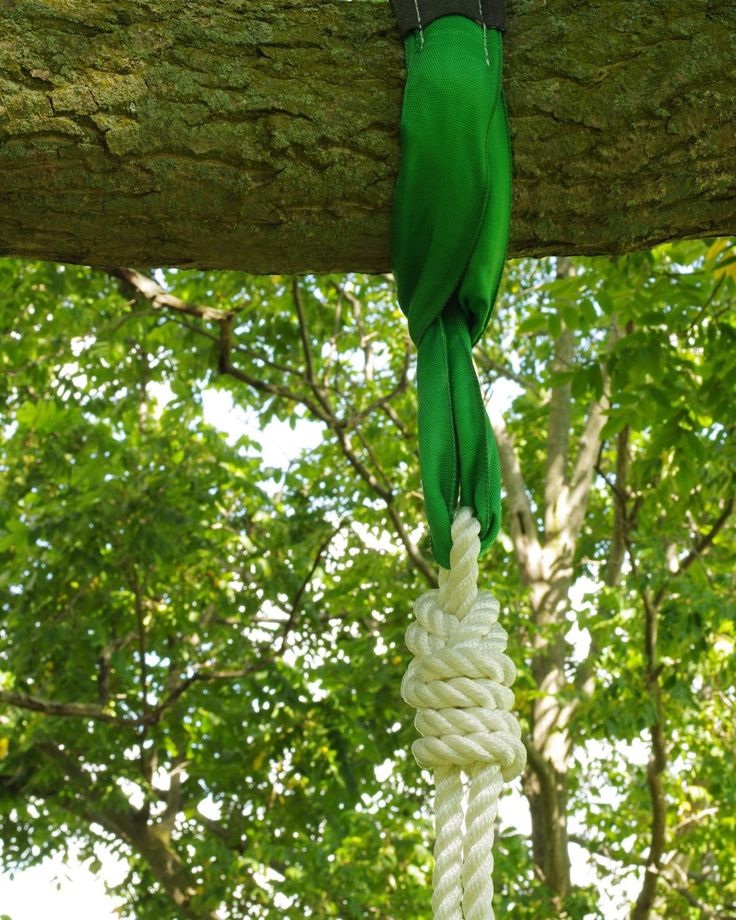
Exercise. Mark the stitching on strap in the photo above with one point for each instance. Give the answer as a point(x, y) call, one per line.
point(419, 22)
point(485, 32)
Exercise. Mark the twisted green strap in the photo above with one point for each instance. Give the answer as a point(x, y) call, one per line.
point(449, 236)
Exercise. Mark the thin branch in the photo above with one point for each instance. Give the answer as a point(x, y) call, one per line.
point(227, 367)
point(393, 415)
point(141, 636)
point(658, 758)
point(298, 596)
point(303, 333)
point(701, 545)
point(487, 364)
point(103, 666)
point(589, 445)
point(704, 309)
point(364, 338)
point(160, 299)
point(96, 713)
point(383, 401)
point(319, 406)
point(583, 473)
point(331, 355)
point(617, 550)
point(599, 849)
point(421, 563)
point(91, 711)
point(558, 436)
point(385, 493)
point(374, 459)
point(622, 524)
point(705, 911)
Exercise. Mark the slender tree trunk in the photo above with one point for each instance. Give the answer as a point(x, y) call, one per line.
point(656, 767)
point(545, 557)
point(265, 136)
point(547, 569)
point(545, 783)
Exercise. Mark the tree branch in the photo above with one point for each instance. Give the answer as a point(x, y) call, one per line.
point(160, 299)
point(585, 674)
point(619, 534)
point(558, 432)
point(522, 526)
point(589, 447)
point(658, 759)
point(700, 546)
point(103, 666)
point(92, 711)
point(109, 167)
point(297, 599)
point(486, 363)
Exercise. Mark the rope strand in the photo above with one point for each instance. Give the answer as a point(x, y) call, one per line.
point(459, 682)
point(448, 847)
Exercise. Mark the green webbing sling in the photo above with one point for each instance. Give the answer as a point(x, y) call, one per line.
point(449, 236)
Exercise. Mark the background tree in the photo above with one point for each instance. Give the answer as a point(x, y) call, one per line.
point(200, 656)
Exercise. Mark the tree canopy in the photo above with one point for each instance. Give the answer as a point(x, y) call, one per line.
point(200, 655)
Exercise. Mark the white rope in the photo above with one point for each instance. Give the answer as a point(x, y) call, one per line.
point(459, 682)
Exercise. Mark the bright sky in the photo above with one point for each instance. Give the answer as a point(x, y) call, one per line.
point(68, 892)
point(71, 892)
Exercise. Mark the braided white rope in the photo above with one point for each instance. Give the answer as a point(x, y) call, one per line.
point(459, 682)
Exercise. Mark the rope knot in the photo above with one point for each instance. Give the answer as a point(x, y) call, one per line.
point(459, 682)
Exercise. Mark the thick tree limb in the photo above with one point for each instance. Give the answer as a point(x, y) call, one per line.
point(264, 136)
point(547, 567)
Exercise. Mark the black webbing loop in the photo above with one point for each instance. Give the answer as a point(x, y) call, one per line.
point(415, 14)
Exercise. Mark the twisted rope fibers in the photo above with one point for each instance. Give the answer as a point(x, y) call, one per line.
point(459, 681)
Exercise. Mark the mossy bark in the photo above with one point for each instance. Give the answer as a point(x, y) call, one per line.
point(263, 136)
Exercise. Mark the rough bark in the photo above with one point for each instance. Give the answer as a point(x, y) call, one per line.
point(263, 136)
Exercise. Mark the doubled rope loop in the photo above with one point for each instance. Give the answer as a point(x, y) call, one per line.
point(459, 681)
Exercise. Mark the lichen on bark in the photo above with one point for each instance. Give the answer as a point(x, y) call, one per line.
point(263, 136)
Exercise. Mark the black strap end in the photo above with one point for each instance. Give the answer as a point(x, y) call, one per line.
point(415, 14)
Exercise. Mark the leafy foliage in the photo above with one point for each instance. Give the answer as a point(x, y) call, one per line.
point(200, 654)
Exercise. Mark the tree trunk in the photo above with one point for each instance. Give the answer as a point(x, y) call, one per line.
point(264, 136)
point(546, 780)
point(545, 555)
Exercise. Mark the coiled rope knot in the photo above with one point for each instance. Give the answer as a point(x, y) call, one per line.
point(459, 682)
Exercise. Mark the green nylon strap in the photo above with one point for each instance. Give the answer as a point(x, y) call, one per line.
point(449, 236)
